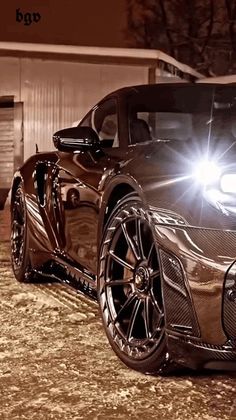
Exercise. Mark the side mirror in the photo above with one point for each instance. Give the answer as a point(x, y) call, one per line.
point(75, 138)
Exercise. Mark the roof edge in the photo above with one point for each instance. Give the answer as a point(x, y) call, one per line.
point(121, 53)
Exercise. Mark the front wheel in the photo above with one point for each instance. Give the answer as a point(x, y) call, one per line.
point(129, 289)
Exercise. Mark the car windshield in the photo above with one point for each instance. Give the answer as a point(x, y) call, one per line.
point(205, 114)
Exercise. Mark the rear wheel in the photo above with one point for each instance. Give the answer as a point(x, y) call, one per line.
point(129, 289)
point(19, 237)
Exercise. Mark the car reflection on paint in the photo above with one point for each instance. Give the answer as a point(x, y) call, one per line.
point(77, 195)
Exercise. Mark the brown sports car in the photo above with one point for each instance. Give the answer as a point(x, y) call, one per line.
point(137, 206)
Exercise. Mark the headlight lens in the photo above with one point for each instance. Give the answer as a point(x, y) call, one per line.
point(218, 184)
point(228, 183)
point(207, 172)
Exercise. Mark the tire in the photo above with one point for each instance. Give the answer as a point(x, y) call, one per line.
point(19, 237)
point(129, 290)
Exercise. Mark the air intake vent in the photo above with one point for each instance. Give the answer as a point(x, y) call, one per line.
point(179, 311)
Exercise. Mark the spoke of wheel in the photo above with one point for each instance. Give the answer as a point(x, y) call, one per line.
point(154, 274)
point(120, 261)
point(128, 302)
point(150, 252)
point(17, 236)
point(133, 318)
point(119, 282)
point(157, 330)
point(17, 240)
point(146, 312)
point(19, 213)
point(130, 242)
point(139, 238)
point(14, 222)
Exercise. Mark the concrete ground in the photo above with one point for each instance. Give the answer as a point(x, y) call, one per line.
point(55, 362)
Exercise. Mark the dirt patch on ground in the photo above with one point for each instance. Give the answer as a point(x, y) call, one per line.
point(55, 362)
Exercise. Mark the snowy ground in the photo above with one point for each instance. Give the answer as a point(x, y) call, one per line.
point(55, 363)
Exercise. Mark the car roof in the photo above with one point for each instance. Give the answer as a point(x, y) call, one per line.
point(144, 89)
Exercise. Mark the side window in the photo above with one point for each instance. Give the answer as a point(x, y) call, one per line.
point(154, 125)
point(140, 127)
point(103, 119)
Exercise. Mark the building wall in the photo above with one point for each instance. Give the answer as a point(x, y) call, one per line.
point(10, 77)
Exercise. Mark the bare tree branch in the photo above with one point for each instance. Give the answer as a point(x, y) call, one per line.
point(201, 33)
point(231, 10)
point(165, 22)
point(210, 27)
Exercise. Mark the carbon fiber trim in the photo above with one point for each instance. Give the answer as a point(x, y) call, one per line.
point(198, 355)
point(179, 311)
point(230, 345)
point(215, 242)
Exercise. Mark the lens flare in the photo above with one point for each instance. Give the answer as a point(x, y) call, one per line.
point(206, 172)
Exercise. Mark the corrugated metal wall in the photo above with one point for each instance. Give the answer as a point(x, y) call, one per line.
point(10, 77)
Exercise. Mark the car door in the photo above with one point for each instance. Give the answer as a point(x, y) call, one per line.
point(80, 175)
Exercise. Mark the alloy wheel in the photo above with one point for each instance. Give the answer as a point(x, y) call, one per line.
point(130, 285)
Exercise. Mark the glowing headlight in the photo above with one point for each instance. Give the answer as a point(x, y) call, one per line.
point(228, 183)
point(207, 172)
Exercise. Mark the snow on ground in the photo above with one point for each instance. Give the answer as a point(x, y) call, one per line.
point(55, 362)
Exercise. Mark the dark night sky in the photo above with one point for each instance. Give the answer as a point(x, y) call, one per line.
point(76, 22)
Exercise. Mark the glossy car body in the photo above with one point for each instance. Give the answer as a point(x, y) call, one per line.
point(71, 195)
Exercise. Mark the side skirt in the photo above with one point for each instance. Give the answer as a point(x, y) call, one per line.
point(58, 270)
